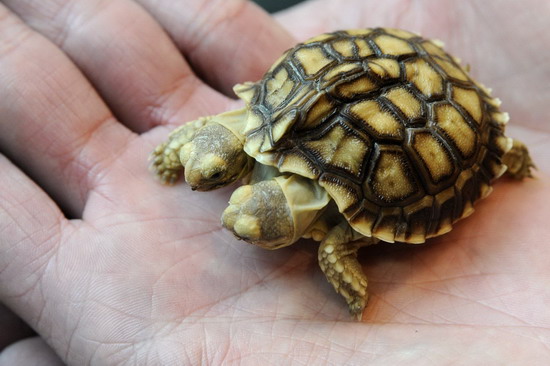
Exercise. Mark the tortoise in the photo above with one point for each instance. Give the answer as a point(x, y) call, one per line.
point(351, 138)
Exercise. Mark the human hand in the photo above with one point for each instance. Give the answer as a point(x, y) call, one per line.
point(142, 273)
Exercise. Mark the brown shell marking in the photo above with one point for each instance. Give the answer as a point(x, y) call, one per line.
point(394, 129)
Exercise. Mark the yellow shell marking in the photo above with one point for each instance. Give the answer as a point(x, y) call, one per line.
point(469, 100)
point(312, 59)
point(450, 121)
point(363, 48)
point(378, 120)
point(353, 88)
point(282, 125)
point(254, 143)
point(393, 46)
point(336, 71)
point(434, 50)
point(350, 154)
point(326, 147)
point(342, 196)
point(390, 181)
point(451, 70)
point(434, 156)
point(358, 32)
point(320, 109)
point(385, 67)
point(245, 91)
point(405, 101)
point(300, 97)
point(340, 149)
point(295, 163)
point(278, 88)
point(424, 77)
point(253, 121)
point(344, 47)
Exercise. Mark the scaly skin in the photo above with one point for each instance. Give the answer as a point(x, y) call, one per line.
point(165, 159)
point(518, 161)
point(338, 260)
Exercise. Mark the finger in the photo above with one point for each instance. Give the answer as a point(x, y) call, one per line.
point(31, 351)
point(127, 56)
point(30, 227)
point(314, 17)
point(226, 41)
point(54, 126)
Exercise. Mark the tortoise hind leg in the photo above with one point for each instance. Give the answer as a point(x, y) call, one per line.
point(338, 260)
point(518, 161)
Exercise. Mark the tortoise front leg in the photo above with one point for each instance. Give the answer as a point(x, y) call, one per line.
point(338, 260)
point(518, 161)
point(165, 159)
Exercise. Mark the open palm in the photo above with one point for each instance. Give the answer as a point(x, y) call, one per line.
point(142, 273)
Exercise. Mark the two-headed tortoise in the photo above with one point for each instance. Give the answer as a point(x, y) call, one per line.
point(351, 138)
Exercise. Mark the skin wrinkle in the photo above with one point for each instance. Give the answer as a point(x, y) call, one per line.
point(319, 354)
point(451, 294)
point(60, 17)
point(270, 275)
point(400, 311)
point(210, 16)
point(64, 349)
point(56, 155)
point(89, 176)
point(43, 260)
point(87, 65)
point(11, 47)
point(202, 44)
point(158, 110)
point(202, 39)
point(55, 16)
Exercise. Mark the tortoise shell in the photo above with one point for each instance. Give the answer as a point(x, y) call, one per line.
point(395, 130)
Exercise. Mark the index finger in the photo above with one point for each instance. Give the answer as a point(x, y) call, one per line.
point(225, 41)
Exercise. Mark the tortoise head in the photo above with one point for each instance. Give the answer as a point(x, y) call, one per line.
point(214, 158)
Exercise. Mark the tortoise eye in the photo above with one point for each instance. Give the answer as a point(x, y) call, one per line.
point(215, 176)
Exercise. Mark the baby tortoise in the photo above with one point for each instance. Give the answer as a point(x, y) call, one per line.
point(351, 138)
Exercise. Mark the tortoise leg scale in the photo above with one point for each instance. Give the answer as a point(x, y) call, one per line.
point(338, 260)
point(518, 161)
point(165, 162)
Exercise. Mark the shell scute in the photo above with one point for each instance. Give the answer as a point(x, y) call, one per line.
point(392, 126)
point(391, 179)
point(312, 59)
point(380, 123)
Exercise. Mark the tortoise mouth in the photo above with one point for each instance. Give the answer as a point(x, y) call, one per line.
point(212, 185)
point(266, 244)
point(207, 187)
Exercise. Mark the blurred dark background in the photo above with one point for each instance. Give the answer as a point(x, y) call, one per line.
point(276, 5)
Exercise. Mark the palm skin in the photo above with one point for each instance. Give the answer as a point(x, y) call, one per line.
point(145, 275)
